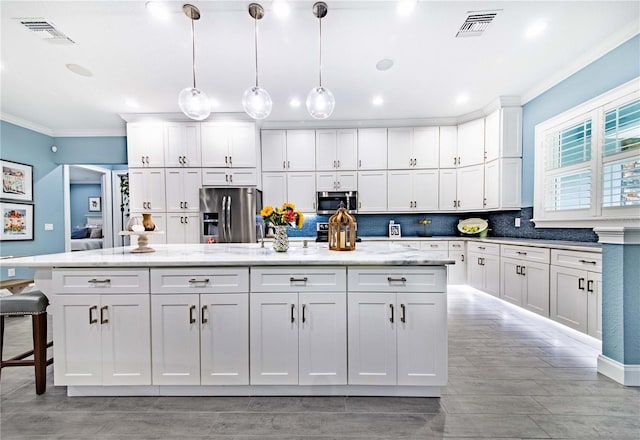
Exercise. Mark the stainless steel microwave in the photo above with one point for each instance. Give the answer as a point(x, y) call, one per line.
point(327, 202)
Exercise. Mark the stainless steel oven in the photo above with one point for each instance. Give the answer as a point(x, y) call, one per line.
point(328, 201)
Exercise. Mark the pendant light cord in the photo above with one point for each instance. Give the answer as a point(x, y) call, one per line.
point(320, 18)
point(255, 41)
point(193, 53)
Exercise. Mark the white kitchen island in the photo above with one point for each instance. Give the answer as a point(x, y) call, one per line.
point(239, 319)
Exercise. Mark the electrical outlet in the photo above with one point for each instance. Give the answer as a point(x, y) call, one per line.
point(11, 272)
point(48, 226)
point(517, 222)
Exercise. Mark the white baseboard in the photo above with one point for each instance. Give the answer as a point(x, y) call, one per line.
point(628, 375)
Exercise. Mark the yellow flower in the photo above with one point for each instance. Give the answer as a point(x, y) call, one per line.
point(266, 211)
point(288, 205)
point(300, 221)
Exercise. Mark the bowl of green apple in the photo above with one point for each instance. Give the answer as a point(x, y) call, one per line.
point(473, 226)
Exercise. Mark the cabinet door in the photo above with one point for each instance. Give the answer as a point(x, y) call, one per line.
point(372, 149)
point(175, 189)
point(322, 346)
point(160, 220)
point(425, 190)
point(215, 177)
point(492, 136)
point(176, 227)
point(471, 143)
point(274, 150)
point(400, 152)
point(242, 145)
point(326, 155)
point(491, 266)
point(274, 189)
point(347, 180)
point(422, 338)
point(301, 150)
point(215, 145)
point(192, 181)
point(301, 191)
point(511, 286)
point(475, 271)
point(492, 185)
point(224, 342)
point(536, 287)
point(78, 347)
point(347, 149)
point(448, 146)
point(137, 190)
point(274, 338)
point(154, 182)
point(372, 191)
point(569, 297)
point(457, 273)
point(400, 191)
point(594, 304)
point(372, 338)
point(426, 147)
point(182, 144)
point(243, 177)
point(326, 181)
point(145, 145)
point(126, 339)
point(470, 188)
point(175, 346)
point(191, 228)
point(447, 195)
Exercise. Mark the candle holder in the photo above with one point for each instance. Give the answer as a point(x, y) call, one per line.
point(342, 230)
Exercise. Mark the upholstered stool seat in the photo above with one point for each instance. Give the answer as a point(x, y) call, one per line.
point(32, 303)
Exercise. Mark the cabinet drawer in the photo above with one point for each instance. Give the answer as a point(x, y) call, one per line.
point(527, 253)
point(107, 281)
point(580, 260)
point(434, 245)
point(457, 246)
point(391, 279)
point(294, 279)
point(407, 243)
point(200, 280)
point(484, 248)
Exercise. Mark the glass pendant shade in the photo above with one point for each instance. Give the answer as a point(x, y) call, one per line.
point(320, 102)
point(257, 102)
point(194, 104)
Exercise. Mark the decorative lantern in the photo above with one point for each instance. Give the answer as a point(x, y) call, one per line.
point(342, 231)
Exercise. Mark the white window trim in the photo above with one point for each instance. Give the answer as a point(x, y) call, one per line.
point(596, 215)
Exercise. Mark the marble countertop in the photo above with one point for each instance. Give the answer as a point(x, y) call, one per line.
point(250, 254)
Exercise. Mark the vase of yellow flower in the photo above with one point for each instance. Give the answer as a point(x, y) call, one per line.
point(281, 218)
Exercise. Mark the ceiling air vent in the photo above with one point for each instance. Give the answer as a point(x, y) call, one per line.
point(45, 30)
point(476, 23)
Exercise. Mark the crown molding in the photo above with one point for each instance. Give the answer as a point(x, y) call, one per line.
point(598, 51)
point(116, 132)
point(15, 120)
point(181, 117)
point(613, 235)
point(370, 123)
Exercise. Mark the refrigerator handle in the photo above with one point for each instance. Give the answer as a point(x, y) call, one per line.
point(229, 219)
point(224, 219)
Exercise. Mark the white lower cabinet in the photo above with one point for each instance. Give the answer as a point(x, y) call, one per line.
point(457, 273)
point(526, 284)
point(483, 267)
point(183, 228)
point(200, 338)
point(397, 337)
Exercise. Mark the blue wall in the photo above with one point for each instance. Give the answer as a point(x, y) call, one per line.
point(79, 200)
point(611, 70)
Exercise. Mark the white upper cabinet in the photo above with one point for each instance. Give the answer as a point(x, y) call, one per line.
point(336, 149)
point(400, 148)
point(448, 146)
point(372, 191)
point(426, 147)
point(413, 147)
point(274, 189)
point(448, 195)
point(301, 191)
point(228, 144)
point(470, 188)
point(412, 190)
point(182, 189)
point(146, 190)
point(182, 144)
point(336, 181)
point(503, 133)
point(471, 143)
point(288, 150)
point(503, 183)
point(145, 144)
point(372, 148)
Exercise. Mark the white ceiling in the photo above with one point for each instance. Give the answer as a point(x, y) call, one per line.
point(134, 56)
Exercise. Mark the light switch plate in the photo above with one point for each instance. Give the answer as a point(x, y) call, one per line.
point(517, 222)
point(11, 272)
point(48, 226)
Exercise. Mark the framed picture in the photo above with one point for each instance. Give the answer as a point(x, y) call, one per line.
point(394, 230)
point(94, 204)
point(17, 181)
point(17, 221)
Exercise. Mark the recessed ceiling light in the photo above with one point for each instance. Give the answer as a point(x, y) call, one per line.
point(79, 70)
point(462, 98)
point(384, 64)
point(406, 7)
point(536, 28)
point(377, 101)
point(131, 103)
point(281, 8)
point(158, 10)
point(295, 102)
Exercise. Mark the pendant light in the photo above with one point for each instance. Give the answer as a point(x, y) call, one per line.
point(320, 101)
point(192, 101)
point(256, 100)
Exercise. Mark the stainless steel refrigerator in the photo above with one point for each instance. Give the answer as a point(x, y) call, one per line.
point(228, 215)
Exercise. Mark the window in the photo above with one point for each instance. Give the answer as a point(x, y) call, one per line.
point(588, 165)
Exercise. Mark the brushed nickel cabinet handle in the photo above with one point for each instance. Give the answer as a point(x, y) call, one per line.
point(195, 280)
point(522, 272)
point(588, 261)
point(102, 318)
point(397, 280)
point(293, 306)
point(192, 320)
point(403, 313)
point(203, 320)
point(298, 280)
point(92, 320)
point(96, 281)
point(391, 317)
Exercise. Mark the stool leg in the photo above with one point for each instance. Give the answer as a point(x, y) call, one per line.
point(1, 341)
point(40, 350)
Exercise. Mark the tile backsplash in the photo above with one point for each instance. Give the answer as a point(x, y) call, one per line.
point(501, 224)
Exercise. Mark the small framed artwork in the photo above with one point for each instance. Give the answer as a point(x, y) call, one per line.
point(17, 221)
point(94, 204)
point(394, 230)
point(17, 181)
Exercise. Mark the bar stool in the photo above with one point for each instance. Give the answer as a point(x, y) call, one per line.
point(32, 303)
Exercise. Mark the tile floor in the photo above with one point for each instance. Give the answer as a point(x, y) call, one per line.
point(511, 376)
